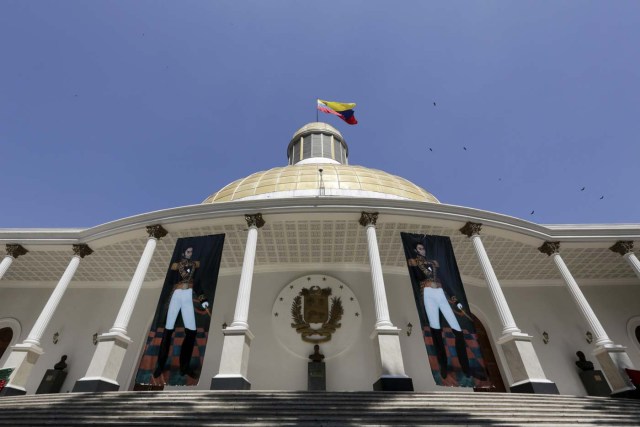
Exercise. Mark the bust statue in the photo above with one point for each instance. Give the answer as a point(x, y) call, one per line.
point(316, 356)
point(583, 363)
point(61, 365)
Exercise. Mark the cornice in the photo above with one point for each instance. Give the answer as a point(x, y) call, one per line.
point(388, 209)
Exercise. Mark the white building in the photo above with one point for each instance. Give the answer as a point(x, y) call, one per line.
point(324, 220)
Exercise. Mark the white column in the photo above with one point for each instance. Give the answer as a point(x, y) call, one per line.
point(13, 252)
point(126, 309)
point(601, 338)
point(613, 358)
point(234, 361)
point(633, 262)
point(625, 248)
point(241, 315)
point(368, 220)
point(504, 312)
point(386, 337)
point(35, 335)
point(112, 346)
point(524, 366)
point(24, 356)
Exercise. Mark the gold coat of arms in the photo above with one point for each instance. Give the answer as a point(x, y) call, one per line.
point(319, 321)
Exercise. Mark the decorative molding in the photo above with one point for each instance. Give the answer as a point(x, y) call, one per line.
point(82, 250)
point(156, 231)
point(15, 250)
point(254, 220)
point(550, 248)
point(622, 247)
point(471, 228)
point(368, 218)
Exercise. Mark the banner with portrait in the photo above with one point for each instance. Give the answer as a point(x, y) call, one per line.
point(446, 321)
point(177, 340)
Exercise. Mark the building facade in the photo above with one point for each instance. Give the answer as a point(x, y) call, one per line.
point(540, 293)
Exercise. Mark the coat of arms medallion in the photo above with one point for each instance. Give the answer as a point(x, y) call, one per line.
point(316, 309)
point(317, 321)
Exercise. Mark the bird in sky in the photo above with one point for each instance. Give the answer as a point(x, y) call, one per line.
point(601, 197)
point(582, 189)
point(434, 104)
point(430, 149)
point(464, 148)
point(532, 212)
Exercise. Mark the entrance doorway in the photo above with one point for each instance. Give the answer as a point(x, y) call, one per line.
point(497, 385)
point(6, 334)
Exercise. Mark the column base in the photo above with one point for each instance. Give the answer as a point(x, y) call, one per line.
point(524, 366)
point(234, 361)
point(613, 359)
point(105, 364)
point(536, 387)
point(86, 385)
point(393, 384)
point(627, 394)
point(22, 359)
point(230, 383)
point(386, 342)
point(10, 391)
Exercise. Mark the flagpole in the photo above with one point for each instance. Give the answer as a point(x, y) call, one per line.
point(317, 120)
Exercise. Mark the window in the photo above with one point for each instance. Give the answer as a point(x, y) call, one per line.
point(296, 153)
point(316, 145)
point(306, 147)
point(326, 146)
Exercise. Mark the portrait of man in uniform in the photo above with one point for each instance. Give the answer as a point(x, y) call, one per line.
point(444, 311)
point(177, 340)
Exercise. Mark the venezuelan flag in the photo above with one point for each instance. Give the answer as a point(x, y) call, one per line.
point(344, 110)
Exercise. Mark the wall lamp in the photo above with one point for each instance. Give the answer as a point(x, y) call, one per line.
point(56, 337)
point(409, 329)
point(589, 337)
point(224, 325)
point(545, 337)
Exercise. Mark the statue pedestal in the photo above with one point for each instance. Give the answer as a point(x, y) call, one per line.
point(595, 383)
point(316, 376)
point(51, 382)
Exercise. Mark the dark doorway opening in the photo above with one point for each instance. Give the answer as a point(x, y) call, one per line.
point(6, 334)
point(497, 385)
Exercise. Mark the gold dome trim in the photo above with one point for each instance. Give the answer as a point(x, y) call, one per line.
point(306, 177)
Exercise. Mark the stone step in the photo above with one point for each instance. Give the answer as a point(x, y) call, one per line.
point(314, 408)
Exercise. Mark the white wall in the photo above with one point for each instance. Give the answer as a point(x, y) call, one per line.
point(82, 312)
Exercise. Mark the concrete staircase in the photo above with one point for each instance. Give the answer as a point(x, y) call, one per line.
point(259, 408)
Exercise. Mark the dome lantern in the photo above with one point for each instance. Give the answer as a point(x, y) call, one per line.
point(317, 142)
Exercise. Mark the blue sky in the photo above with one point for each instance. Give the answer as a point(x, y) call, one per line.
point(115, 108)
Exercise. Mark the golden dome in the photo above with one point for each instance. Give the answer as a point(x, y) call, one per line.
point(304, 180)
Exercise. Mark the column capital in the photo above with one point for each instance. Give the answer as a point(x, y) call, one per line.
point(550, 248)
point(82, 250)
point(15, 250)
point(471, 228)
point(368, 218)
point(156, 231)
point(622, 247)
point(254, 220)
